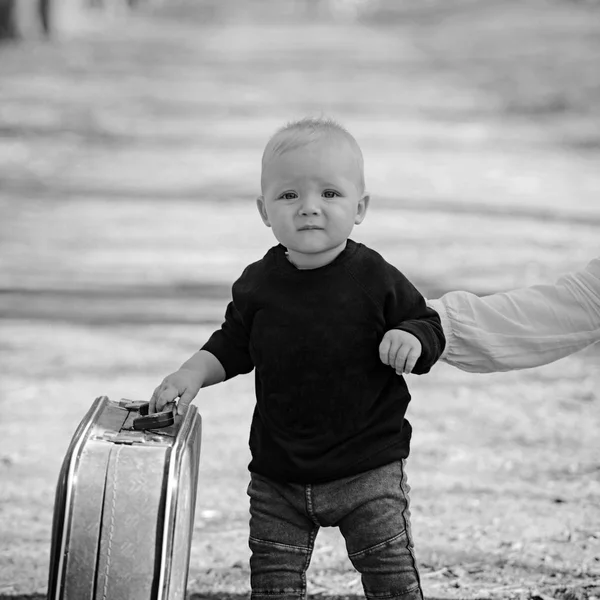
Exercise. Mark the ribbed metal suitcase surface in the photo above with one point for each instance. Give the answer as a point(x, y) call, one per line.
point(124, 508)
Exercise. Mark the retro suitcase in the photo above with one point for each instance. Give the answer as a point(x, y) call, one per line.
point(124, 507)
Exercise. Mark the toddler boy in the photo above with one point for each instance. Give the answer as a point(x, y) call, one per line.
point(329, 328)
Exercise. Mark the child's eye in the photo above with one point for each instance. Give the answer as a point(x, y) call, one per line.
point(330, 194)
point(288, 196)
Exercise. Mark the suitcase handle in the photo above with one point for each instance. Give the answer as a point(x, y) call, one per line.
point(146, 421)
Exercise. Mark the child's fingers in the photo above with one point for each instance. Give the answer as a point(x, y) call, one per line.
point(384, 350)
point(184, 402)
point(406, 359)
point(154, 398)
point(167, 395)
point(400, 359)
point(394, 354)
point(411, 360)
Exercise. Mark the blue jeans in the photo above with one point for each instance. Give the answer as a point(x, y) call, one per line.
point(372, 511)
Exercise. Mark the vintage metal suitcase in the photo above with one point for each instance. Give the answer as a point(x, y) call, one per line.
point(124, 508)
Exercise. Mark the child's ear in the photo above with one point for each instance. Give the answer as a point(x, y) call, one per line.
point(262, 210)
point(361, 210)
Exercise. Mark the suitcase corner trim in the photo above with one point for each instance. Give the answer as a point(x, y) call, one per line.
point(62, 520)
point(192, 423)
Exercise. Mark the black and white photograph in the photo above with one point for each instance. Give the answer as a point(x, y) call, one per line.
point(300, 299)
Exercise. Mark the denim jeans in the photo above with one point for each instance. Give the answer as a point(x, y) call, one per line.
point(372, 511)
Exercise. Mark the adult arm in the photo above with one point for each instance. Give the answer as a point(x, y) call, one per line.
point(522, 328)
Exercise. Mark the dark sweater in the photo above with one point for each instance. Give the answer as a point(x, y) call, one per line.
point(326, 406)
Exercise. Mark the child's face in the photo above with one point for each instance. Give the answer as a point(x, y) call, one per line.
point(312, 198)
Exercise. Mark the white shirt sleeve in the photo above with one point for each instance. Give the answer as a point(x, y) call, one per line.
point(522, 328)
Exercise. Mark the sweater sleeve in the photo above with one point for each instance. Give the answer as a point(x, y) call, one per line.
point(231, 343)
point(407, 310)
point(522, 328)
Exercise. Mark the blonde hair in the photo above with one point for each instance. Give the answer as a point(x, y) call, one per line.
point(297, 134)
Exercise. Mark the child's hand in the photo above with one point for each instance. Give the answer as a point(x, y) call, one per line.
point(400, 350)
point(183, 384)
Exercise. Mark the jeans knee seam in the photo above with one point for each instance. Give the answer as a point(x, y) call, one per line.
point(299, 549)
point(378, 545)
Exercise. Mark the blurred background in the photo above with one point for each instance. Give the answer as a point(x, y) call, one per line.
point(131, 133)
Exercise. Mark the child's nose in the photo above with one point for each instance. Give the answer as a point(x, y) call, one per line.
point(309, 206)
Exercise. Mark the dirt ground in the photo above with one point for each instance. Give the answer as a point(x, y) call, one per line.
point(129, 160)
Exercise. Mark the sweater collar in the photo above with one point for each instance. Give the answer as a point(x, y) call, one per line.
point(342, 257)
